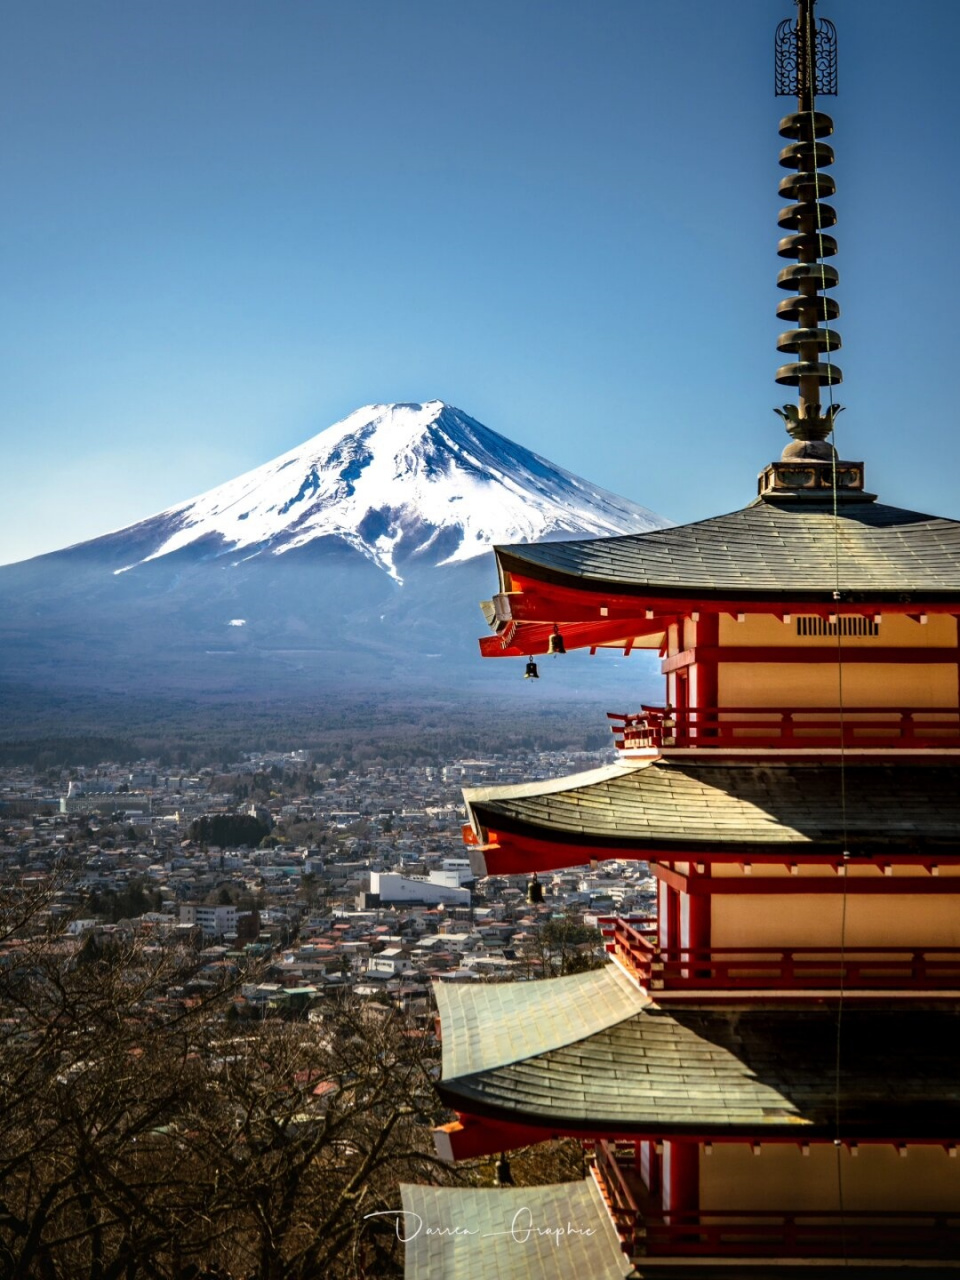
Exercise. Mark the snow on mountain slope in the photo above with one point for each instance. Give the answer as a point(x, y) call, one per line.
point(396, 482)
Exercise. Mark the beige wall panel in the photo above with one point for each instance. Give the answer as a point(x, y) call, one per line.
point(895, 629)
point(774, 684)
point(781, 1177)
point(865, 684)
point(813, 920)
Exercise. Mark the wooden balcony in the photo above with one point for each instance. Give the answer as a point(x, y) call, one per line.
point(647, 1231)
point(670, 971)
point(655, 729)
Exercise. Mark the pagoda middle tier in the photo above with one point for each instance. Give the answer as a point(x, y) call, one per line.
point(775, 815)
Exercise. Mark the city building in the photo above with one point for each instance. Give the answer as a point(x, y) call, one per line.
point(764, 1074)
point(389, 887)
point(214, 922)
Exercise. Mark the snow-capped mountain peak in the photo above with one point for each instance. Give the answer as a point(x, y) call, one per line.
point(400, 483)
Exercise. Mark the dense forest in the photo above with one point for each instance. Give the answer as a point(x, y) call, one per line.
point(191, 735)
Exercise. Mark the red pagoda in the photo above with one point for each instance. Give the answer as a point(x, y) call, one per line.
point(765, 1073)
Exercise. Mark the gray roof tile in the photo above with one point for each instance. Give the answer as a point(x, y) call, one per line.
point(515, 1233)
point(494, 1024)
point(776, 549)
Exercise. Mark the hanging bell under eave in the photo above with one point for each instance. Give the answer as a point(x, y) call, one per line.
point(531, 672)
point(555, 644)
point(534, 891)
point(502, 1177)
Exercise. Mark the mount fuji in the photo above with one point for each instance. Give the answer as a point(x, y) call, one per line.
point(356, 559)
point(395, 482)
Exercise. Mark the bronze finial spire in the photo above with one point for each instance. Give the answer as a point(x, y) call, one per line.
point(805, 65)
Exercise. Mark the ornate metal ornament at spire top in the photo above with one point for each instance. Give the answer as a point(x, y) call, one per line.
point(794, 58)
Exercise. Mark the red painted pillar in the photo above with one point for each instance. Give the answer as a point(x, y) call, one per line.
point(648, 1166)
point(699, 914)
point(665, 936)
point(670, 922)
point(681, 1177)
point(706, 691)
point(694, 920)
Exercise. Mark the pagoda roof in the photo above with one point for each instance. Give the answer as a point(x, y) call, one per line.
point(731, 1072)
point(509, 1233)
point(779, 548)
point(674, 805)
point(516, 1018)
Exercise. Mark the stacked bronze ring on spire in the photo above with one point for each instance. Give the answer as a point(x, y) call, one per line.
point(809, 277)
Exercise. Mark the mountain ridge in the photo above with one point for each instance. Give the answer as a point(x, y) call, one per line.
point(356, 558)
point(386, 480)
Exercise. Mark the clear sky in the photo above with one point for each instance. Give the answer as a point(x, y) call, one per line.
point(228, 223)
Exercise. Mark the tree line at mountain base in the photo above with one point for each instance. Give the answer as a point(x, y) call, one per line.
point(397, 732)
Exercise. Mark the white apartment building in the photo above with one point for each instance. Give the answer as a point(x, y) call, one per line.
point(213, 921)
point(423, 890)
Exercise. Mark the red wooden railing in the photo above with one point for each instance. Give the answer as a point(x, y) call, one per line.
point(653, 728)
point(813, 1233)
point(633, 943)
point(621, 1204)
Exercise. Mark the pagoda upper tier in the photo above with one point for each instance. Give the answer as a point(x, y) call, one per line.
point(779, 553)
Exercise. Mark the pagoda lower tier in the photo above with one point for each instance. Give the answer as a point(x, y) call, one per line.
point(720, 1133)
point(587, 1055)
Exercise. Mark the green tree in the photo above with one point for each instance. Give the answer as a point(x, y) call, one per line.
point(563, 945)
point(225, 829)
point(309, 887)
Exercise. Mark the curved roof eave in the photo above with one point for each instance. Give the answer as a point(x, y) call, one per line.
point(781, 550)
point(665, 805)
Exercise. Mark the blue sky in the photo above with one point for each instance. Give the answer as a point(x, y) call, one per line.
point(229, 223)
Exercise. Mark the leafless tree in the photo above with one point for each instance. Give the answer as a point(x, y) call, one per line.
point(145, 1133)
